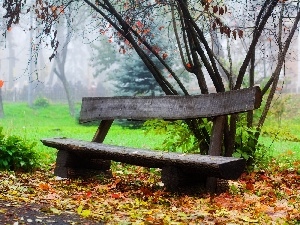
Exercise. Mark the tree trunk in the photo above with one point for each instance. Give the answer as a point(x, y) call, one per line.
point(61, 75)
point(60, 60)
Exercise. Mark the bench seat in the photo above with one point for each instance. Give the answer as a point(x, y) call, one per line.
point(214, 166)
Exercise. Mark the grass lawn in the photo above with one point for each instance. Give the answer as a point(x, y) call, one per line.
point(54, 121)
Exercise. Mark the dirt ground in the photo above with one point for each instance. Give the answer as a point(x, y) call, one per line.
point(17, 214)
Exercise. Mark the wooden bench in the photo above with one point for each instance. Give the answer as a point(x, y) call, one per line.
point(80, 158)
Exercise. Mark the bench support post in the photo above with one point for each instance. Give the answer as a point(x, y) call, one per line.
point(215, 148)
point(102, 130)
point(71, 165)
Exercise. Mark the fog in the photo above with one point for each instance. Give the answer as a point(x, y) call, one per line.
point(20, 67)
point(91, 59)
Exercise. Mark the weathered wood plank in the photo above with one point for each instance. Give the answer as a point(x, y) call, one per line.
point(170, 107)
point(215, 166)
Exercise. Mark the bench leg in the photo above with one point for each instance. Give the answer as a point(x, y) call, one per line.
point(215, 149)
point(176, 179)
point(70, 165)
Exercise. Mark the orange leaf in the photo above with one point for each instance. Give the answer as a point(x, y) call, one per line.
point(1, 83)
point(44, 186)
point(150, 219)
point(188, 65)
point(164, 56)
point(114, 195)
point(53, 8)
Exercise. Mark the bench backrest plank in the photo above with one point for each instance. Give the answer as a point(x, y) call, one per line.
point(170, 107)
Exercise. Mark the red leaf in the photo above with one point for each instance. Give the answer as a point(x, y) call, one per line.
point(215, 9)
point(146, 192)
point(89, 194)
point(249, 186)
point(1, 83)
point(214, 26)
point(115, 195)
point(221, 30)
point(139, 24)
point(206, 7)
point(240, 33)
point(221, 11)
point(234, 34)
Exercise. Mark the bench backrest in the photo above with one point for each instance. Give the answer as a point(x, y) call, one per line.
point(170, 107)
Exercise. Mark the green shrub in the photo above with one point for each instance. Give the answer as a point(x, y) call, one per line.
point(41, 102)
point(179, 138)
point(17, 154)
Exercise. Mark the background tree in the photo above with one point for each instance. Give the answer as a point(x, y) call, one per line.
point(133, 77)
point(63, 35)
point(103, 56)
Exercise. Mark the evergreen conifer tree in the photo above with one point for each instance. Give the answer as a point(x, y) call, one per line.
point(133, 77)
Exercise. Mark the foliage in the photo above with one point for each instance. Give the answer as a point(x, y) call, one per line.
point(103, 57)
point(136, 196)
point(41, 102)
point(262, 158)
point(279, 134)
point(245, 143)
point(17, 153)
point(278, 107)
point(133, 78)
point(177, 136)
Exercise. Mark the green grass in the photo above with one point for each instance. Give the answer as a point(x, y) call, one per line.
point(55, 121)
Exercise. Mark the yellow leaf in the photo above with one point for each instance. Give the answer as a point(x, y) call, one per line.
point(85, 213)
point(247, 219)
point(79, 209)
point(55, 211)
point(3, 211)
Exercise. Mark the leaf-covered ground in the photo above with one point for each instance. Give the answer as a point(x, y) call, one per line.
point(136, 195)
